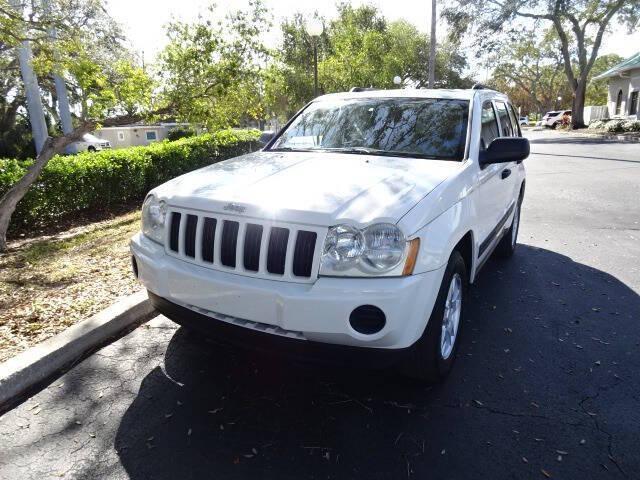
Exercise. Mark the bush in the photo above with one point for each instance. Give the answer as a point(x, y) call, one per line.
point(180, 132)
point(614, 126)
point(113, 177)
point(631, 126)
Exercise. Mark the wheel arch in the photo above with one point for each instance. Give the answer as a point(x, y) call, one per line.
point(466, 248)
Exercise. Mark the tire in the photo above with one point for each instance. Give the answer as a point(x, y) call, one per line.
point(91, 149)
point(554, 126)
point(507, 244)
point(427, 362)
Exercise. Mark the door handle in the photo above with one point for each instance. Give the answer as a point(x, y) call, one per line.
point(505, 173)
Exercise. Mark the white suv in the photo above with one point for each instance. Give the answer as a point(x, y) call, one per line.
point(553, 119)
point(356, 230)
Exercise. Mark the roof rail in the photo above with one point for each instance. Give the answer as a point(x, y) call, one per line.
point(363, 89)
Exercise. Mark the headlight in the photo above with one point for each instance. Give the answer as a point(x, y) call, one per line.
point(154, 213)
point(343, 247)
point(374, 250)
point(384, 246)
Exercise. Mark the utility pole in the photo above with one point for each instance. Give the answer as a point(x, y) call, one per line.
point(61, 87)
point(432, 54)
point(31, 89)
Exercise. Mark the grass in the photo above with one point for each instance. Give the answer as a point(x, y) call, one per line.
point(50, 282)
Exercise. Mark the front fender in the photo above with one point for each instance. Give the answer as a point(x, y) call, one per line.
point(441, 235)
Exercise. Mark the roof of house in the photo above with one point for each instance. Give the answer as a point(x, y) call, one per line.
point(628, 64)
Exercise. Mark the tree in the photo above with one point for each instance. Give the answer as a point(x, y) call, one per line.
point(357, 48)
point(211, 70)
point(117, 102)
point(579, 24)
point(529, 70)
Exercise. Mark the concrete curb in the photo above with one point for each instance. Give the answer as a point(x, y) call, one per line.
point(31, 370)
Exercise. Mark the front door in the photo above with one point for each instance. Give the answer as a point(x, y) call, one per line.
point(495, 190)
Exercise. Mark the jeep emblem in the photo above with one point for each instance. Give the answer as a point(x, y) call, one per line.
point(234, 207)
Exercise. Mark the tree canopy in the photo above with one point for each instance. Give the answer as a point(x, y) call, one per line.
point(580, 26)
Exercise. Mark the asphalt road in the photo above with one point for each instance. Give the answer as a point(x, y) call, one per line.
point(546, 384)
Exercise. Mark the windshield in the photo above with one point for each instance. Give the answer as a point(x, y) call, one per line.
point(407, 127)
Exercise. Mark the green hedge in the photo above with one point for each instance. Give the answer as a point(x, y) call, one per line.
point(113, 177)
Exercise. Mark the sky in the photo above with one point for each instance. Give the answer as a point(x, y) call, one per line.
point(144, 20)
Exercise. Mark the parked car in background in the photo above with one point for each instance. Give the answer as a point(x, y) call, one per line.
point(89, 143)
point(554, 118)
point(351, 236)
point(524, 121)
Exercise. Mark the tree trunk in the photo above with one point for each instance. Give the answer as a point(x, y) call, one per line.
point(51, 147)
point(10, 200)
point(577, 107)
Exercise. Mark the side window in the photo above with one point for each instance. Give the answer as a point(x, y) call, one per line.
point(514, 120)
point(489, 129)
point(505, 122)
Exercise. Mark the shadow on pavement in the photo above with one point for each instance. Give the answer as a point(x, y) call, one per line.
point(547, 363)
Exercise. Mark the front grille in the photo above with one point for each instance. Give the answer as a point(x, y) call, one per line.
point(260, 248)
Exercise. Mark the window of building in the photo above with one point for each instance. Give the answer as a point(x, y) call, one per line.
point(489, 129)
point(633, 106)
point(121, 136)
point(151, 135)
point(619, 103)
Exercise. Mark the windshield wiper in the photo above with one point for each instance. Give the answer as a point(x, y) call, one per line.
point(290, 149)
point(375, 151)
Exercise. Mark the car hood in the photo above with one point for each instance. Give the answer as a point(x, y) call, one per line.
point(317, 188)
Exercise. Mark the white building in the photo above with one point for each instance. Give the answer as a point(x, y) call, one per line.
point(624, 88)
point(136, 135)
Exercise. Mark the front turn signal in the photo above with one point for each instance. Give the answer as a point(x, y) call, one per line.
point(412, 256)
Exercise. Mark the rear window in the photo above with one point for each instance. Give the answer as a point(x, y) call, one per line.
point(411, 127)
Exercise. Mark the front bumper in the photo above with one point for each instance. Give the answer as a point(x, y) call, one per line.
point(317, 312)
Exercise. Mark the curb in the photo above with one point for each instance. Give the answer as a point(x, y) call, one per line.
point(30, 371)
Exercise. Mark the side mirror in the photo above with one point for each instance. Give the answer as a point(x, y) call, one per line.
point(505, 149)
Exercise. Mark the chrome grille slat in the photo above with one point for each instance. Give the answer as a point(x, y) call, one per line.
point(246, 246)
point(183, 222)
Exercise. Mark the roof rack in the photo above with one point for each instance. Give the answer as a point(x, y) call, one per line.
point(363, 89)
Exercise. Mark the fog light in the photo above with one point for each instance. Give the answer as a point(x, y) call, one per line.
point(367, 319)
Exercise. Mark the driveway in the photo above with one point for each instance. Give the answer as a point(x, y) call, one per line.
point(546, 383)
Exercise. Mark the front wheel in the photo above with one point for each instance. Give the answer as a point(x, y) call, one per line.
point(432, 356)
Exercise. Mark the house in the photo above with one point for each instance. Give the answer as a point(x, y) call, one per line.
point(624, 88)
point(136, 135)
